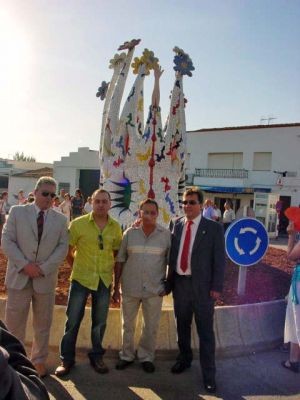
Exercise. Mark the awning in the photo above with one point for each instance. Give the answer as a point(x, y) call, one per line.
point(230, 189)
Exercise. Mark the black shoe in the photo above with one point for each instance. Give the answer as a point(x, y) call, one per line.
point(99, 366)
point(122, 364)
point(210, 386)
point(148, 366)
point(179, 367)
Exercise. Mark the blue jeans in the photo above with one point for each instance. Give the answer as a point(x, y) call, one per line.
point(75, 311)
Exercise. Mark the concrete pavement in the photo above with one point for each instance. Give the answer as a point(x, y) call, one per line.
point(257, 376)
point(279, 243)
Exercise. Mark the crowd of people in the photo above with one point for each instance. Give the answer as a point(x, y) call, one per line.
point(212, 211)
point(135, 268)
point(71, 206)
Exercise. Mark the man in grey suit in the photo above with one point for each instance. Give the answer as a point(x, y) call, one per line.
point(196, 273)
point(35, 241)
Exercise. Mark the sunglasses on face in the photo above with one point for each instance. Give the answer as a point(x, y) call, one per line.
point(51, 194)
point(190, 202)
point(100, 242)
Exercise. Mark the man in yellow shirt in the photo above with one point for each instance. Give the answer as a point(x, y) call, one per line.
point(94, 242)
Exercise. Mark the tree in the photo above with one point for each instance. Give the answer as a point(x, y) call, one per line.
point(20, 156)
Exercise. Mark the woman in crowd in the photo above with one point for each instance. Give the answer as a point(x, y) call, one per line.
point(56, 204)
point(21, 197)
point(292, 319)
point(66, 206)
point(228, 215)
point(77, 204)
point(88, 205)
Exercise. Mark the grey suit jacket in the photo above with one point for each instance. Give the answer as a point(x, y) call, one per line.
point(208, 257)
point(20, 245)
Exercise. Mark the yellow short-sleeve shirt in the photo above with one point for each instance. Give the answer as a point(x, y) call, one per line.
point(91, 263)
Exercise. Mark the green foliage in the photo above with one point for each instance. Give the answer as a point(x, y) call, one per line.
point(20, 156)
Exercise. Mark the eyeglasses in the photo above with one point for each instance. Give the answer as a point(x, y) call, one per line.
point(190, 202)
point(51, 194)
point(100, 240)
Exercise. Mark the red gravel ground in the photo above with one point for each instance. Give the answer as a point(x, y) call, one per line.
point(268, 280)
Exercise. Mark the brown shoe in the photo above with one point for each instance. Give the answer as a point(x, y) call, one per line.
point(99, 366)
point(41, 369)
point(64, 368)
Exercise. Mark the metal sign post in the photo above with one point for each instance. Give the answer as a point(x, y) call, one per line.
point(242, 280)
point(246, 242)
point(243, 270)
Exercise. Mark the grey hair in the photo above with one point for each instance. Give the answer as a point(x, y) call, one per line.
point(45, 180)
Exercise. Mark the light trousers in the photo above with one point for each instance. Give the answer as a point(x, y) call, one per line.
point(16, 315)
point(151, 309)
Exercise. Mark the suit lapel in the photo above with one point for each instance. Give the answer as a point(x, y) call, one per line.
point(48, 223)
point(32, 219)
point(201, 232)
point(179, 229)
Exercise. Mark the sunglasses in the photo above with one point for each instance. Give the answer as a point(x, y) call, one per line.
point(100, 242)
point(190, 202)
point(51, 194)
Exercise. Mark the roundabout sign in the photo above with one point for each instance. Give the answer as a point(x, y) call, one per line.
point(246, 241)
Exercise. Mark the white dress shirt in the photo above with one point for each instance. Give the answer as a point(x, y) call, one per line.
point(194, 228)
point(37, 209)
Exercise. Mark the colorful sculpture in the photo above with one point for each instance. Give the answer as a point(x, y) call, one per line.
point(138, 161)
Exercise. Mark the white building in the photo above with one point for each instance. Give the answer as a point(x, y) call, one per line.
point(78, 170)
point(25, 181)
point(18, 175)
point(239, 162)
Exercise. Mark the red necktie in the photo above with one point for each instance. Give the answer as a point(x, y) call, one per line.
point(40, 224)
point(186, 247)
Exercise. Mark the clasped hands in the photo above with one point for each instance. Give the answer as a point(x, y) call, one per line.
point(32, 270)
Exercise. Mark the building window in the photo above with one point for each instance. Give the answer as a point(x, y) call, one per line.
point(3, 182)
point(225, 160)
point(262, 161)
point(64, 185)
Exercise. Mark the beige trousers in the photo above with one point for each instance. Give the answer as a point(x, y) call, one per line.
point(151, 309)
point(16, 315)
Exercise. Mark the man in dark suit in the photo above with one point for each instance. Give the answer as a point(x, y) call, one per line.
point(196, 274)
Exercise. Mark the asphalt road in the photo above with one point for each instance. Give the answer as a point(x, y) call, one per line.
point(257, 376)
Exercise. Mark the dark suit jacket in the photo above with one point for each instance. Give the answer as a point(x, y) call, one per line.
point(18, 378)
point(208, 257)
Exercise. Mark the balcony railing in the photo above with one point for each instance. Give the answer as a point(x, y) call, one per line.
point(221, 173)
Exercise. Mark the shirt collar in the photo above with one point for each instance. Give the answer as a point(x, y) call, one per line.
point(158, 228)
point(196, 221)
point(91, 218)
point(37, 209)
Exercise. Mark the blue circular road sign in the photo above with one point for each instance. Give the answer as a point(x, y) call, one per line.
point(246, 241)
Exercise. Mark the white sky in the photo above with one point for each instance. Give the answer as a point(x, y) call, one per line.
point(55, 53)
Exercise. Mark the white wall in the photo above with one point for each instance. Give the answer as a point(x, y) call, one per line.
point(68, 168)
point(283, 142)
point(17, 183)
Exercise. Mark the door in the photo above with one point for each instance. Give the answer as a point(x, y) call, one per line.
point(89, 181)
